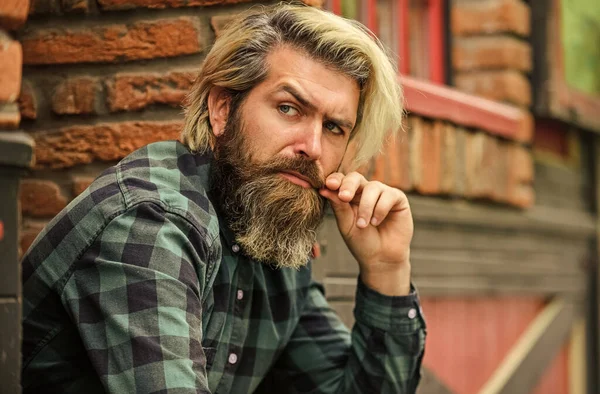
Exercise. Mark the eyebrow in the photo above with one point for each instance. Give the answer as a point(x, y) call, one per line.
point(304, 101)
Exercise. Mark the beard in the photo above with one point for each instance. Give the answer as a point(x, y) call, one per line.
point(274, 220)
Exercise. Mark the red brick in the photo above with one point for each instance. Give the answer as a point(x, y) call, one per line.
point(460, 178)
point(392, 166)
point(448, 160)
point(501, 85)
point(431, 153)
point(474, 171)
point(495, 52)
point(128, 92)
point(10, 117)
point(59, 6)
point(76, 145)
point(399, 162)
point(416, 130)
point(127, 4)
point(28, 234)
point(113, 43)
point(526, 128)
point(28, 101)
point(13, 13)
point(41, 198)
point(489, 173)
point(487, 164)
point(75, 5)
point(44, 7)
point(11, 63)
point(501, 168)
point(80, 184)
point(75, 96)
point(376, 169)
point(520, 177)
point(490, 16)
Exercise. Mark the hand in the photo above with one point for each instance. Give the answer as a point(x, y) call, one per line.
point(376, 224)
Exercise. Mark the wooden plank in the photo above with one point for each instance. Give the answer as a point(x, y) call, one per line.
point(513, 284)
point(541, 220)
point(578, 359)
point(526, 362)
point(474, 249)
point(429, 236)
point(431, 384)
point(343, 288)
point(454, 250)
point(466, 262)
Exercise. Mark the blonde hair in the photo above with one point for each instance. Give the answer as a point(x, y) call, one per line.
point(237, 63)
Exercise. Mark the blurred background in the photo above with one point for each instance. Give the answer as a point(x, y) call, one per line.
point(500, 156)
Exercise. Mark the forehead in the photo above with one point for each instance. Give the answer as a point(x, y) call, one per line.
point(327, 89)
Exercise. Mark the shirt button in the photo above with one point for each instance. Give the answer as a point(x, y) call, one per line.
point(240, 294)
point(232, 358)
point(412, 313)
point(235, 248)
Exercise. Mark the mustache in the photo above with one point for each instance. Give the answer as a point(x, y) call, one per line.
point(306, 168)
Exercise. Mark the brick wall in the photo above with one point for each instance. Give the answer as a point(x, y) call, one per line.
point(435, 157)
point(101, 79)
point(491, 54)
point(105, 77)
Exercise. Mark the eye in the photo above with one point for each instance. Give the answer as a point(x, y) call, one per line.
point(288, 110)
point(334, 128)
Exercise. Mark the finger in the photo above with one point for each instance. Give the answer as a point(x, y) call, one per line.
point(368, 200)
point(334, 180)
point(351, 183)
point(388, 200)
point(341, 209)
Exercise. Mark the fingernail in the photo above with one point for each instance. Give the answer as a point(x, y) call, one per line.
point(361, 222)
point(374, 222)
point(345, 193)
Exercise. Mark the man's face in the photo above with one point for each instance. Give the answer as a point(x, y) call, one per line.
point(302, 109)
point(274, 152)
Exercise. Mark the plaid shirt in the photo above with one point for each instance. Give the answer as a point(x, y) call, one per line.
point(138, 287)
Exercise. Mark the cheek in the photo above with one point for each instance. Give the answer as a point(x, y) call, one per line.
point(333, 156)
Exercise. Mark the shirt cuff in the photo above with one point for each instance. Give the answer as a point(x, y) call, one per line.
point(397, 314)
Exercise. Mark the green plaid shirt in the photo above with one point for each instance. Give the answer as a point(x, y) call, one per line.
point(138, 287)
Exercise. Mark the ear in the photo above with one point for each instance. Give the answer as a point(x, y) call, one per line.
point(218, 109)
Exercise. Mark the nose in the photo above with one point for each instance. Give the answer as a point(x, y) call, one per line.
point(309, 141)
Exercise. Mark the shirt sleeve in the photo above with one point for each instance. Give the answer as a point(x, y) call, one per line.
point(382, 353)
point(135, 297)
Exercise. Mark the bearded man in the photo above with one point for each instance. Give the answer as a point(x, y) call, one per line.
point(185, 267)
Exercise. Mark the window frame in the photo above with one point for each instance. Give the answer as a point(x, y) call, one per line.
point(437, 33)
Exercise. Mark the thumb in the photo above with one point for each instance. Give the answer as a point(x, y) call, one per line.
point(344, 214)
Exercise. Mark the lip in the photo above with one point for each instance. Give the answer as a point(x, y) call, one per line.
point(296, 178)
